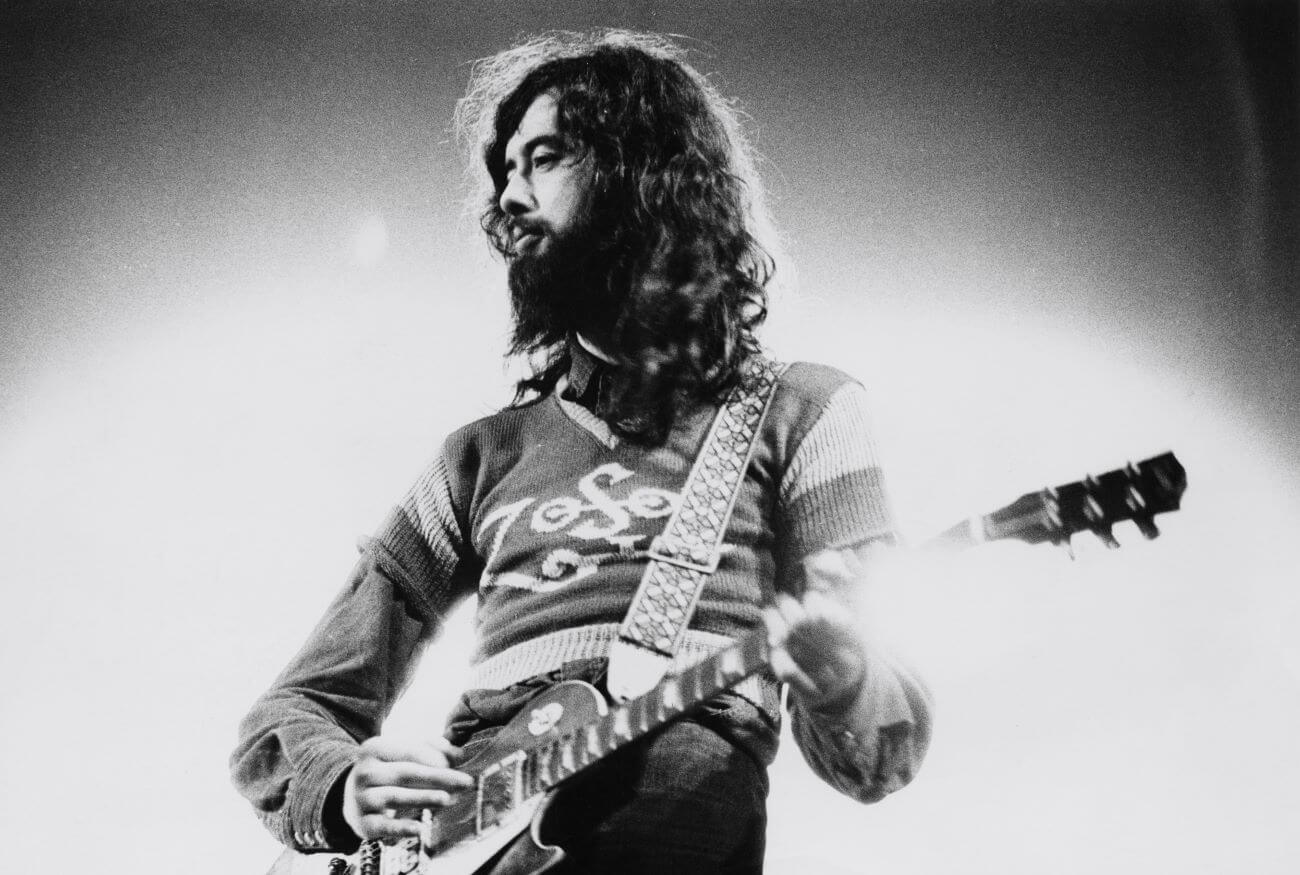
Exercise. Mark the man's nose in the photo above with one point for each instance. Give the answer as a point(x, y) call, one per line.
point(517, 197)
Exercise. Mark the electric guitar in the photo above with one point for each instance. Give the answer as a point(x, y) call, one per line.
point(571, 726)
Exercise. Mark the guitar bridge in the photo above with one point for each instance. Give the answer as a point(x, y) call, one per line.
point(500, 791)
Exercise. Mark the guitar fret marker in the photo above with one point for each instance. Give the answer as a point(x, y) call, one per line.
point(621, 727)
point(731, 663)
point(672, 695)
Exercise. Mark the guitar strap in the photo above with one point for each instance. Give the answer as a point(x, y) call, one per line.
point(688, 551)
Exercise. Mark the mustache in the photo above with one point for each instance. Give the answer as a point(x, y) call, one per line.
point(519, 227)
point(526, 226)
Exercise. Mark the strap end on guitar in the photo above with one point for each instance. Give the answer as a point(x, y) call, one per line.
point(634, 670)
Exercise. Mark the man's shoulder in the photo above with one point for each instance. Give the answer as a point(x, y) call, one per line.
point(506, 427)
point(809, 393)
point(812, 384)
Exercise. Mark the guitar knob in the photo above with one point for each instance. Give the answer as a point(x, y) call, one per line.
point(338, 866)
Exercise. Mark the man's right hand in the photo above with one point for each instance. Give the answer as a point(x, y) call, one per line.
point(393, 781)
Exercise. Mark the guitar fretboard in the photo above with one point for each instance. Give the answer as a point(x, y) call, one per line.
point(552, 761)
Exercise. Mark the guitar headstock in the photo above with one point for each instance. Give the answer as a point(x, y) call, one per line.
point(1136, 492)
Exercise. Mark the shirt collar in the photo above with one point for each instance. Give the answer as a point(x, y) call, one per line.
point(586, 368)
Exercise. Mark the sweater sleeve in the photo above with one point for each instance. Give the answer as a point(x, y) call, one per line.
point(832, 499)
point(301, 736)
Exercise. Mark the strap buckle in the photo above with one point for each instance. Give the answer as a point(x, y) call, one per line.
point(701, 560)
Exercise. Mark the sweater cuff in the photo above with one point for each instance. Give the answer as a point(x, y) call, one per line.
point(876, 732)
point(314, 827)
point(880, 698)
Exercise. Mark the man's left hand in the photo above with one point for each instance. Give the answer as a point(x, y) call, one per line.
point(817, 648)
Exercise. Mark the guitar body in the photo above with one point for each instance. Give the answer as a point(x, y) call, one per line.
point(509, 846)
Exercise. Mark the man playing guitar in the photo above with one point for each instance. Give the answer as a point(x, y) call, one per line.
point(622, 196)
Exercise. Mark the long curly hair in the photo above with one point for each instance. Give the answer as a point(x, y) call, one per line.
point(678, 204)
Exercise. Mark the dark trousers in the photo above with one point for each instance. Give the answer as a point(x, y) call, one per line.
point(682, 802)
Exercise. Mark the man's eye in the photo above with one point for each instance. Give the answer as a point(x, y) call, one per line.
point(545, 159)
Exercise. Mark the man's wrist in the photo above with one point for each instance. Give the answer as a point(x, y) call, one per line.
point(339, 835)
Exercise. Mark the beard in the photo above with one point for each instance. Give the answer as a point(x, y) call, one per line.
point(561, 287)
point(666, 322)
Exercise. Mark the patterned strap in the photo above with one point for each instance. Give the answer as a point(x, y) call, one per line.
point(688, 551)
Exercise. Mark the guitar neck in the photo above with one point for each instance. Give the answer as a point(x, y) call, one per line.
point(552, 761)
point(967, 533)
point(1032, 513)
point(1136, 493)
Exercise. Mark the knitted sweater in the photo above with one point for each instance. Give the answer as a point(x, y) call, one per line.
point(545, 515)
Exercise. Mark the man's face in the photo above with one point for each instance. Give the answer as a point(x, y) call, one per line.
point(547, 187)
point(558, 268)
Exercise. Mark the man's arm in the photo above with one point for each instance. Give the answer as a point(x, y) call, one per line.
point(860, 718)
point(298, 744)
point(302, 735)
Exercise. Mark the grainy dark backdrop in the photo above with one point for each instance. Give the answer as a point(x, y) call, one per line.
point(241, 300)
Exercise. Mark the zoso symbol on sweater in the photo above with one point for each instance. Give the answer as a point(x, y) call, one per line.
point(600, 517)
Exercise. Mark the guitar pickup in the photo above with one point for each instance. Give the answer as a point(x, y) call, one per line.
point(500, 791)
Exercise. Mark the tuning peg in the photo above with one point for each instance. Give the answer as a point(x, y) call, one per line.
point(1134, 500)
point(1068, 546)
point(1147, 526)
point(1092, 508)
point(1093, 512)
point(1051, 500)
point(1106, 536)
